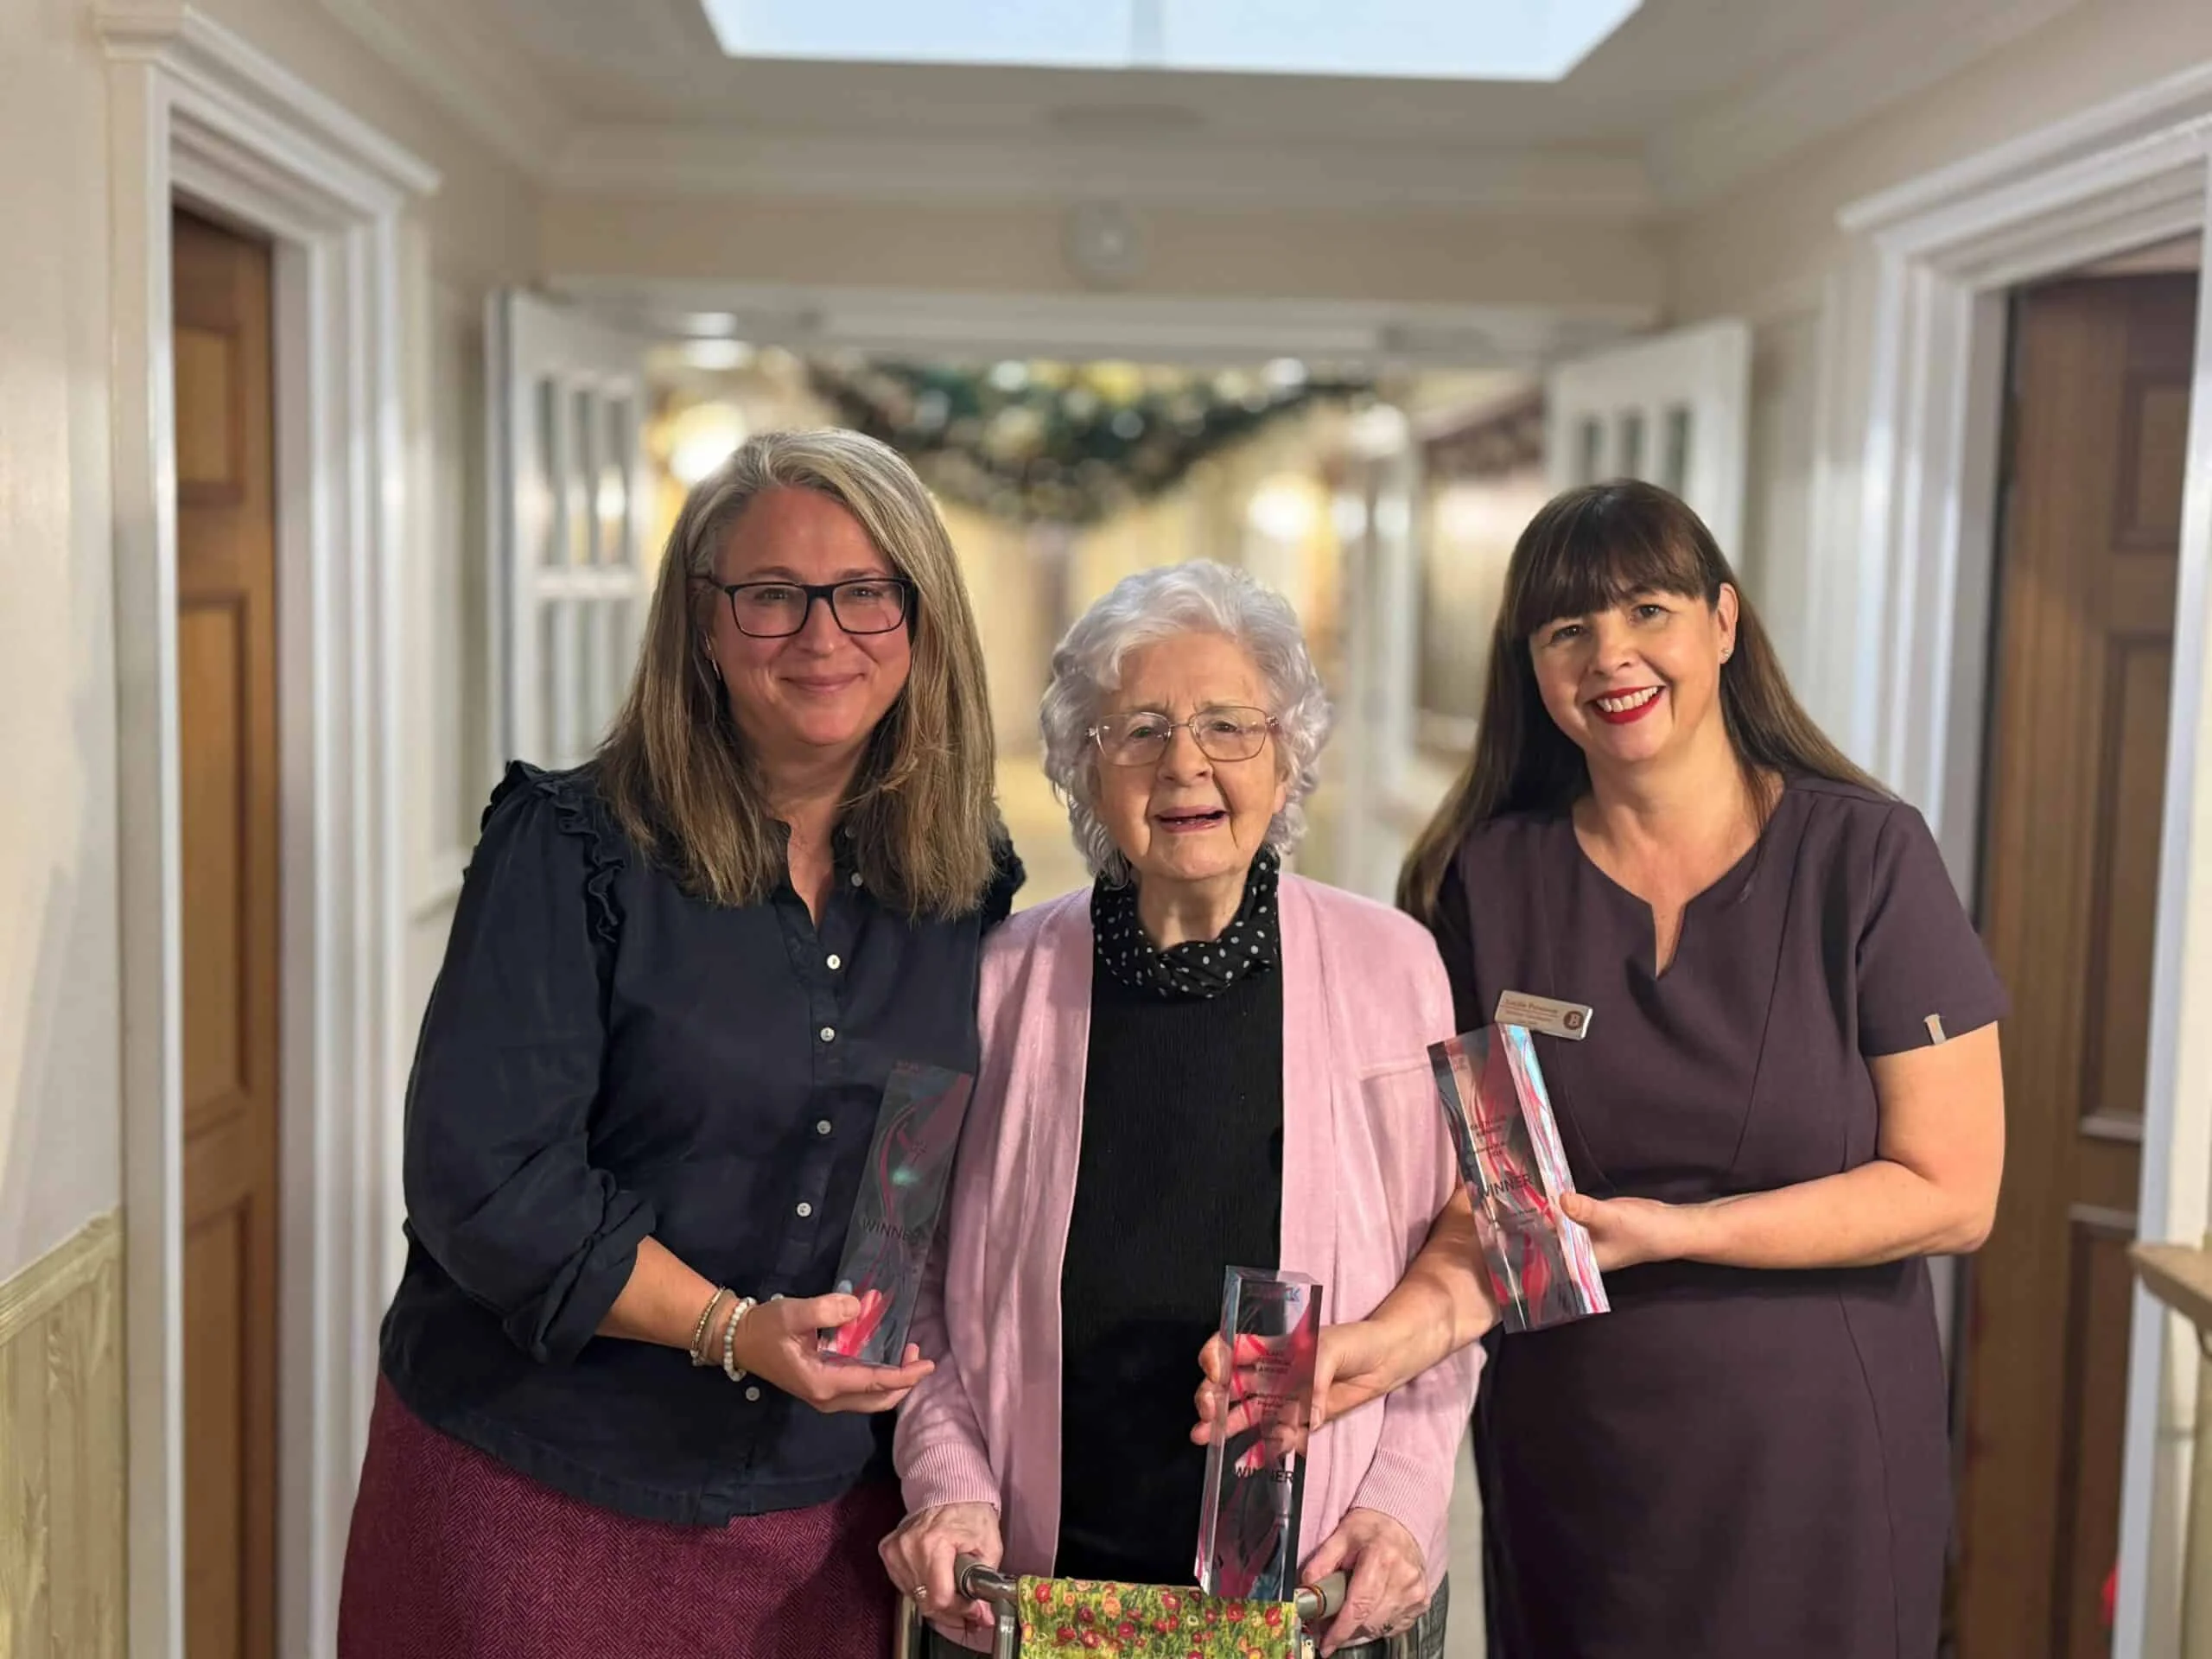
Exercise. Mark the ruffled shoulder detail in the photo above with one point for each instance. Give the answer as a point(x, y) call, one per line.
point(578, 811)
point(1007, 876)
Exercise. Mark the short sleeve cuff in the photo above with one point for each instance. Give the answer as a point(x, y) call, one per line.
point(1877, 1039)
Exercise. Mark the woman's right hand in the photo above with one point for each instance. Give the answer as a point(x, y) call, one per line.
point(780, 1342)
point(921, 1557)
point(1354, 1363)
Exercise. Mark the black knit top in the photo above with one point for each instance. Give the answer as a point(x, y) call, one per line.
point(1180, 1176)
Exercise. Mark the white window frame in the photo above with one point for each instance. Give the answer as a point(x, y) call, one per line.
point(545, 362)
point(1702, 374)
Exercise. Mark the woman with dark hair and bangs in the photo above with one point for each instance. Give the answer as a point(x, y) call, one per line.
point(1789, 1096)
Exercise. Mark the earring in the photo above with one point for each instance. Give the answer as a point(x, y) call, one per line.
point(1726, 651)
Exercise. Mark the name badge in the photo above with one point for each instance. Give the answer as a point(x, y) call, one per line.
point(1543, 1014)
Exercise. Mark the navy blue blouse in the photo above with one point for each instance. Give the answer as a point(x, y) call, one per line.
point(605, 1058)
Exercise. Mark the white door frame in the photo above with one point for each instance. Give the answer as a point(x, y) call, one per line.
point(198, 116)
point(1905, 509)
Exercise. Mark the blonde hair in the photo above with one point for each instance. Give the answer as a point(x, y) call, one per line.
point(923, 805)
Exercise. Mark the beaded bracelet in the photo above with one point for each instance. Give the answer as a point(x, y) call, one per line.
point(731, 1368)
point(699, 1354)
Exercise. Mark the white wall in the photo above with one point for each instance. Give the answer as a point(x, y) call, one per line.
point(1767, 251)
point(1767, 245)
point(60, 1082)
point(59, 1065)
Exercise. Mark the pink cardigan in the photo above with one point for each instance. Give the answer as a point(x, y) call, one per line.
point(1366, 1166)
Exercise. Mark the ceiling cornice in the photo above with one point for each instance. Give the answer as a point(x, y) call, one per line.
point(455, 51)
point(1871, 64)
point(448, 51)
point(731, 161)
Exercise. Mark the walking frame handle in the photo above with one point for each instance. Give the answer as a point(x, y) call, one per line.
point(1002, 1594)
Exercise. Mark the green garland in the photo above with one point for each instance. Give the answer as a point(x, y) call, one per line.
point(1029, 442)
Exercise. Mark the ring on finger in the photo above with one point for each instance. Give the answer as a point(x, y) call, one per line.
point(921, 1594)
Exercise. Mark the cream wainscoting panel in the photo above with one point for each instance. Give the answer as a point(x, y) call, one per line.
point(61, 1451)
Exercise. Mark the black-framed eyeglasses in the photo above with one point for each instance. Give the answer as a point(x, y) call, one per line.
point(1226, 731)
point(775, 610)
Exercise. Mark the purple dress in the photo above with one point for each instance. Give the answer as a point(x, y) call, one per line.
point(1733, 1462)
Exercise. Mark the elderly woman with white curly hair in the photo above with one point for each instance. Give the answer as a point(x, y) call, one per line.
point(1200, 1062)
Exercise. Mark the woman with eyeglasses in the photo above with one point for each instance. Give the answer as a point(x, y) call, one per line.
point(647, 1080)
point(1199, 1062)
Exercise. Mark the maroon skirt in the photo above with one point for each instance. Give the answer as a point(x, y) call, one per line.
point(453, 1555)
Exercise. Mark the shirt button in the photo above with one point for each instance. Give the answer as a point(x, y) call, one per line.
point(856, 878)
point(829, 1034)
point(752, 1393)
point(805, 1208)
point(835, 963)
point(823, 1128)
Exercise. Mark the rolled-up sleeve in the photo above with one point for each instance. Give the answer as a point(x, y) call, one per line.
point(500, 1188)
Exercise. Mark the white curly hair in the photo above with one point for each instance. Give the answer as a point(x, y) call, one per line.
point(1199, 597)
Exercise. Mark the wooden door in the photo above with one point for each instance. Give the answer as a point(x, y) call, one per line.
point(2099, 409)
point(227, 685)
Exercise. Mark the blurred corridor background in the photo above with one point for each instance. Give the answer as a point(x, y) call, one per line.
point(355, 356)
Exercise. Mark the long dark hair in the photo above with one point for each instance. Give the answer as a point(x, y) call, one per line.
point(1589, 550)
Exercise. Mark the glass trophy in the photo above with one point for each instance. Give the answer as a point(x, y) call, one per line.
point(894, 1217)
point(1256, 1464)
point(1541, 1265)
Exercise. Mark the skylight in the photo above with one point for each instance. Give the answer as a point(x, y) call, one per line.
point(1451, 40)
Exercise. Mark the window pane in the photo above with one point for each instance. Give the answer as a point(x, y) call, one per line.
point(616, 545)
point(549, 686)
point(545, 422)
point(1074, 33)
point(583, 433)
point(1631, 444)
point(1676, 474)
point(618, 660)
point(584, 686)
point(1419, 38)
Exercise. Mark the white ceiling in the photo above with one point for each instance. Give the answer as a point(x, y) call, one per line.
point(1687, 99)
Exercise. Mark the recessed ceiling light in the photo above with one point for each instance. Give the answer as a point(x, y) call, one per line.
point(1445, 40)
point(717, 353)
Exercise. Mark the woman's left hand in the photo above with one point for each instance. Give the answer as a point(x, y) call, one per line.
point(1627, 1232)
point(1390, 1580)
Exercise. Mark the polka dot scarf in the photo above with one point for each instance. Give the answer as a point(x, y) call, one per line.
point(1198, 967)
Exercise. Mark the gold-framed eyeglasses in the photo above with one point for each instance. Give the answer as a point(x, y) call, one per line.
point(776, 610)
point(1226, 731)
